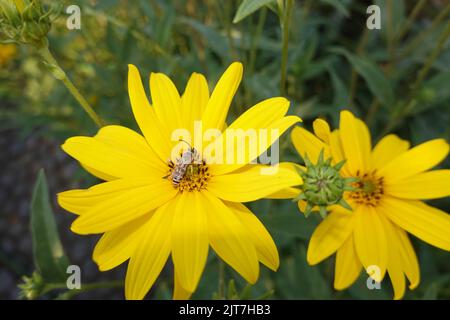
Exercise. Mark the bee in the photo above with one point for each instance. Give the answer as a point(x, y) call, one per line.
point(184, 164)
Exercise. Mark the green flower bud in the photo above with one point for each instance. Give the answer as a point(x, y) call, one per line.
point(32, 287)
point(26, 21)
point(323, 185)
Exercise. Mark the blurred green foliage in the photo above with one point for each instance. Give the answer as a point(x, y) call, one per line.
point(387, 77)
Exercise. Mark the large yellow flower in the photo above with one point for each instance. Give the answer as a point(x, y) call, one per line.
point(145, 215)
point(386, 203)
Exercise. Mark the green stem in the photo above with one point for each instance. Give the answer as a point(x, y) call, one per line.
point(255, 39)
point(424, 34)
point(285, 23)
point(354, 75)
point(61, 75)
point(221, 289)
point(407, 107)
point(84, 288)
point(409, 22)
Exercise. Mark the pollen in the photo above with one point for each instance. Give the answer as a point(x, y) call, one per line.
point(368, 190)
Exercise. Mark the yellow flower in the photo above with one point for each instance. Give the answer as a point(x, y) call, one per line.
point(386, 204)
point(146, 216)
point(7, 52)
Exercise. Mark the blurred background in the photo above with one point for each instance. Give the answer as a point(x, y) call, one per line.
point(396, 78)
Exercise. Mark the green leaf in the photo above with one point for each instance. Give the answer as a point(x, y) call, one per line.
point(338, 5)
point(49, 257)
point(247, 7)
point(292, 224)
point(379, 85)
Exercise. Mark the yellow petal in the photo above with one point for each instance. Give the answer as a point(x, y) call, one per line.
point(151, 253)
point(190, 239)
point(286, 193)
point(129, 141)
point(396, 264)
point(408, 257)
point(166, 102)
point(110, 160)
point(217, 108)
point(355, 139)
point(329, 236)
point(230, 239)
point(370, 241)
point(322, 130)
point(425, 222)
point(157, 136)
point(308, 144)
point(397, 278)
point(387, 149)
point(123, 207)
point(100, 175)
point(252, 183)
point(426, 185)
point(179, 293)
point(415, 160)
point(251, 134)
point(337, 152)
point(263, 242)
point(348, 267)
point(117, 245)
point(194, 100)
point(79, 201)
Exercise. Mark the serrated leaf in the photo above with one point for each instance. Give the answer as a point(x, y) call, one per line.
point(247, 7)
point(49, 257)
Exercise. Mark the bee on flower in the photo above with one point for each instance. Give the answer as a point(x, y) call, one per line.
point(153, 207)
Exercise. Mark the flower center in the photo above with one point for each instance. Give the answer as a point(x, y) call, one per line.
point(368, 190)
point(189, 173)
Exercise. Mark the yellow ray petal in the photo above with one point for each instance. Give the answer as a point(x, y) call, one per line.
point(348, 267)
point(129, 141)
point(100, 175)
point(329, 236)
point(308, 144)
point(387, 149)
point(179, 293)
point(126, 206)
point(397, 264)
point(190, 239)
point(415, 160)
point(251, 134)
point(117, 245)
point(426, 185)
point(263, 242)
point(425, 222)
point(286, 193)
point(337, 152)
point(370, 241)
point(194, 100)
point(156, 135)
point(408, 256)
point(355, 139)
point(397, 278)
point(230, 239)
point(252, 183)
point(110, 160)
point(217, 108)
point(322, 130)
point(150, 254)
point(166, 102)
point(79, 201)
